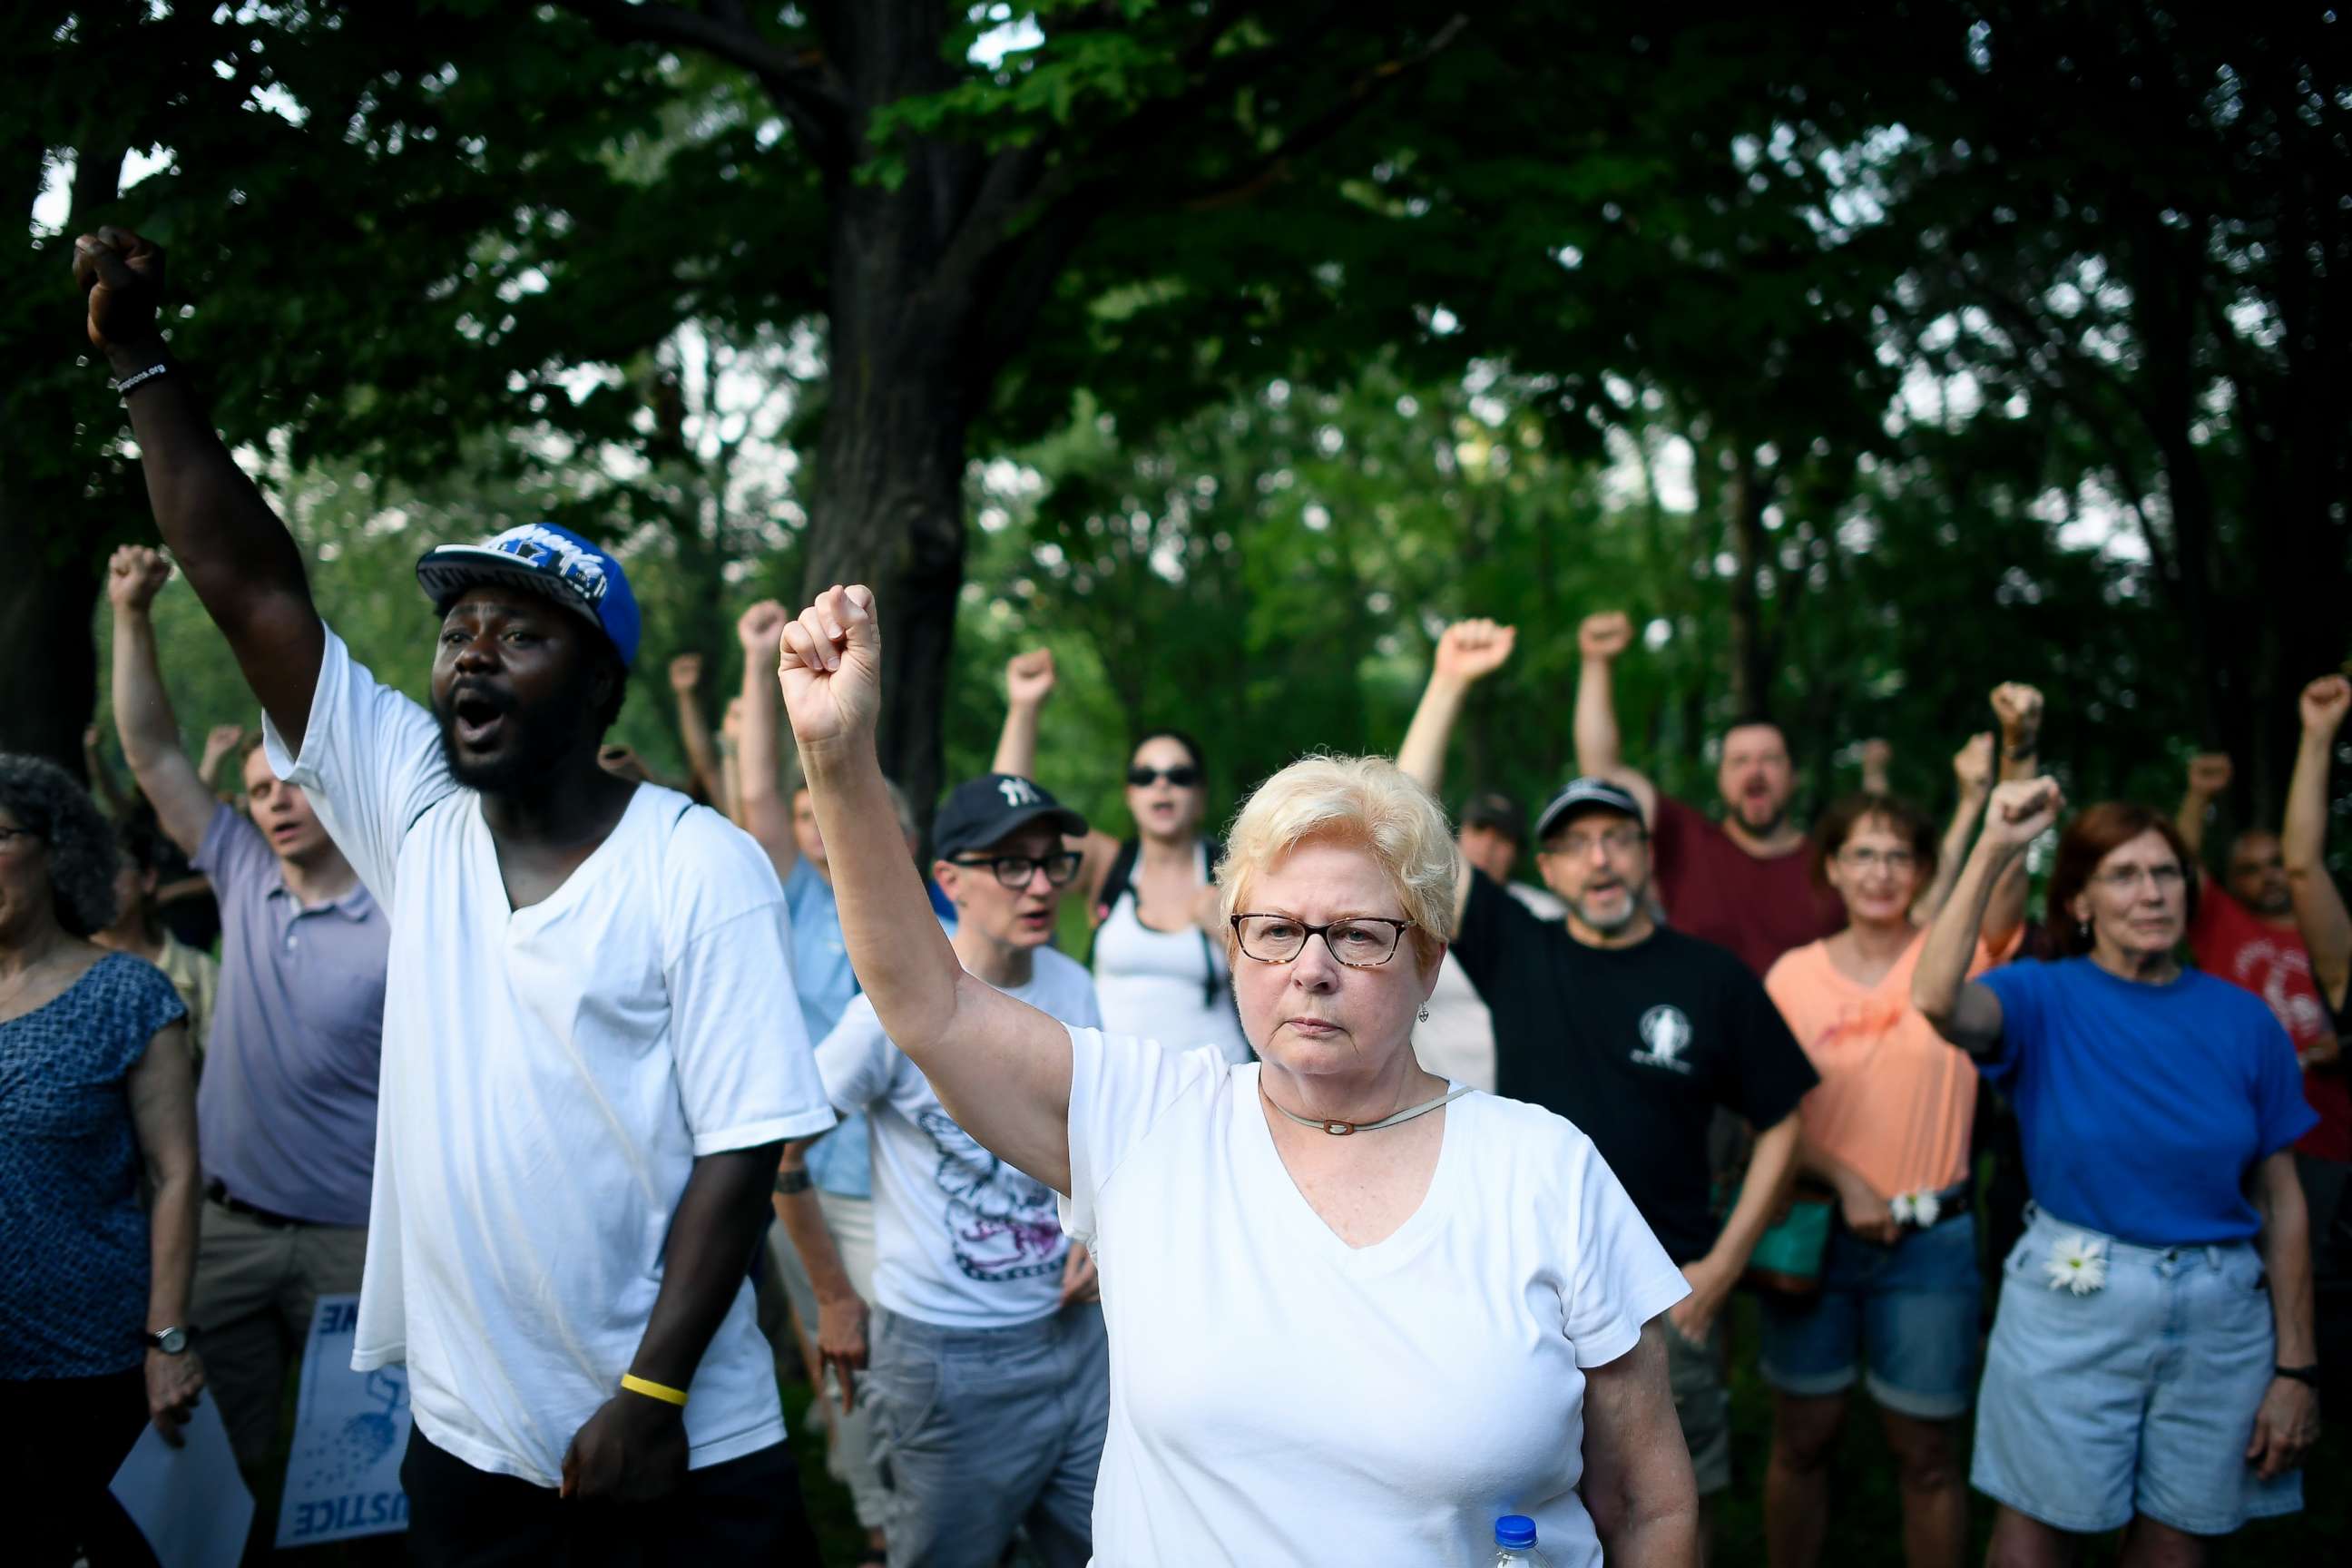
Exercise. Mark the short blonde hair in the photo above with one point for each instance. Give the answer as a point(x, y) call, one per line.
point(1368, 802)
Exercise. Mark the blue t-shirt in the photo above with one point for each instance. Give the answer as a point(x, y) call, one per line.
point(2144, 1107)
point(73, 1234)
point(842, 1162)
point(837, 1162)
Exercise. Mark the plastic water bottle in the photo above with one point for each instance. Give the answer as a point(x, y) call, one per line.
point(1514, 1543)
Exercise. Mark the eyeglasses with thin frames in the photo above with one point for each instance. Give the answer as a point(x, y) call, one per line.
point(1621, 839)
point(2127, 879)
point(1863, 859)
point(1014, 871)
point(1359, 942)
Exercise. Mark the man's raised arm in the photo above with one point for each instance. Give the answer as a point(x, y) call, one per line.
point(1467, 652)
point(1600, 752)
point(142, 710)
point(236, 552)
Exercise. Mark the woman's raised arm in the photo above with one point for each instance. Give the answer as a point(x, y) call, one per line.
point(1000, 1067)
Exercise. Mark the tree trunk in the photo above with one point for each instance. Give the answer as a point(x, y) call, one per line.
point(889, 505)
point(1746, 495)
point(51, 661)
point(55, 518)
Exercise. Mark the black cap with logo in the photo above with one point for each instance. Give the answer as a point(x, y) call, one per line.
point(989, 809)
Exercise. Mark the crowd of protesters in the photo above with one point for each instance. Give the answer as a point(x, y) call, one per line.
point(1347, 1195)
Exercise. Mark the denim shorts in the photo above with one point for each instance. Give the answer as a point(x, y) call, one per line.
point(2136, 1397)
point(1910, 1309)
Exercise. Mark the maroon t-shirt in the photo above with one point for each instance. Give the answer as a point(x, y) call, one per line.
point(1713, 889)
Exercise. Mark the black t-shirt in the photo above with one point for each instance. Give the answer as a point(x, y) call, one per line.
point(1637, 1045)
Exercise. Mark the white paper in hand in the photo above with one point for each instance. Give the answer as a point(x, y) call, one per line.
point(188, 1502)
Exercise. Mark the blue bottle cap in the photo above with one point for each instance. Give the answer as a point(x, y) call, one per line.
point(1514, 1530)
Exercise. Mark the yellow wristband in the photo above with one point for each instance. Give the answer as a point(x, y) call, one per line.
point(651, 1390)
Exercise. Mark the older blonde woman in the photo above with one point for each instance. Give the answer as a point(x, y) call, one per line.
point(1356, 1312)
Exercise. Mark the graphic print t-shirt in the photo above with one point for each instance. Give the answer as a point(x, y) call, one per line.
point(2234, 944)
point(1636, 1046)
point(961, 1238)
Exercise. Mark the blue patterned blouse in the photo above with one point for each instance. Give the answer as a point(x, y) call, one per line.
point(73, 1237)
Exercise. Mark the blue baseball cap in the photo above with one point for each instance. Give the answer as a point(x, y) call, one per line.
point(545, 560)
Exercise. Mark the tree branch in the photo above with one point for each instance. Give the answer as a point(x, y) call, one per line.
point(803, 87)
point(1360, 94)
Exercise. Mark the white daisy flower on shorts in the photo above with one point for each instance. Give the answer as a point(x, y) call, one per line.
point(2078, 1263)
point(1919, 1208)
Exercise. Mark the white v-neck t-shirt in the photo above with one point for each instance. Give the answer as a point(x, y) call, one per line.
point(549, 1077)
point(1279, 1396)
point(961, 1240)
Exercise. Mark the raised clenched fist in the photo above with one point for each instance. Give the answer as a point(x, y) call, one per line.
point(1029, 677)
point(1468, 650)
point(685, 673)
point(758, 627)
point(1605, 634)
point(123, 276)
point(2323, 703)
point(134, 576)
point(2019, 708)
point(2022, 811)
point(2208, 775)
point(1972, 764)
point(830, 669)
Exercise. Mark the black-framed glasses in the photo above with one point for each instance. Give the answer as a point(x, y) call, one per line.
point(1014, 871)
point(1359, 942)
point(1182, 775)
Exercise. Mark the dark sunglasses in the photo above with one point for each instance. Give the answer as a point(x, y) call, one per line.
point(1144, 778)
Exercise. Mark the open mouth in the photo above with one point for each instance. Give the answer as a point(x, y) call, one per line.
point(478, 719)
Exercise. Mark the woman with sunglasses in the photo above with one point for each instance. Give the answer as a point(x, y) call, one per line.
point(2151, 1364)
point(1356, 1312)
point(1158, 962)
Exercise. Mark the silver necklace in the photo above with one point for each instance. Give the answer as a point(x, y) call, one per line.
point(1338, 1129)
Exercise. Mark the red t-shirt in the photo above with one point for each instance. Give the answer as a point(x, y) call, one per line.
point(2234, 944)
point(1759, 909)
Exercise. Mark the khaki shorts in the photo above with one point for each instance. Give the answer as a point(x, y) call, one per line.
point(1702, 1401)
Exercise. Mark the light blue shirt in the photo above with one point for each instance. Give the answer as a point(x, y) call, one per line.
point(286, 1109)
point(840, 1162)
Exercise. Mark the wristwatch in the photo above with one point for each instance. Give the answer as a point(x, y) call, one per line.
point(171, 1340)
point(2307, 1375)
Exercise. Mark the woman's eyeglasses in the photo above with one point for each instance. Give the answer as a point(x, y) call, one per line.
point(1144, 778)
point(1363, 941)
point(1014, 871)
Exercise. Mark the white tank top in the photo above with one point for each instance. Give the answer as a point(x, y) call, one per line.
point(1156, 985)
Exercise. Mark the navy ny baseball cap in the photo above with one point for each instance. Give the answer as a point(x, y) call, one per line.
point(1587, 794)
point(543, 558)
point(986, 810)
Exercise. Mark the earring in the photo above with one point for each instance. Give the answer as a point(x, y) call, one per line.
point(1424, 1012)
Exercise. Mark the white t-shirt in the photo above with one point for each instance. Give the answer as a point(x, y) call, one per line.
point(549, 1077)
point(961, 1238)
point(1457, 1041)
point(1279, 1396)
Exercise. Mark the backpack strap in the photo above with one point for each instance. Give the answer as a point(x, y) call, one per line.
point(1115, 883)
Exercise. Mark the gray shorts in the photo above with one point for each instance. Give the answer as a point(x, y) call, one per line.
point(991, 1429)
point(1702, 1400)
